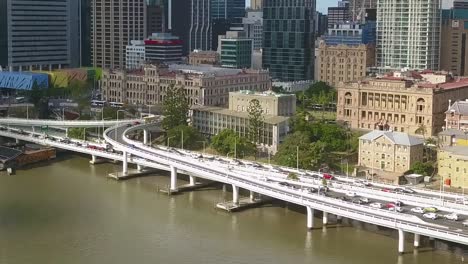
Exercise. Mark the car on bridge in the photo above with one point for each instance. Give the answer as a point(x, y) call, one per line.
point(386, 190)
point(376, 205)
point(328, 176)
point(351, 194)
point(432, 216)
point(452, 216)
point(418, 210)
point(430, 210)
point(397, 209)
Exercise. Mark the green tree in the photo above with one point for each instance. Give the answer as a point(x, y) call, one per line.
point(422, 130)
point(192, 138)
point(229, 142)
point(311, 154)
point(78, 133)
point(423, 168)
point(256, 119)
point(175, 108)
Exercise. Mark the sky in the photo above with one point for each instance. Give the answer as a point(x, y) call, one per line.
point(322, 5)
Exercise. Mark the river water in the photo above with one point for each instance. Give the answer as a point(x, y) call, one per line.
point(68, 211)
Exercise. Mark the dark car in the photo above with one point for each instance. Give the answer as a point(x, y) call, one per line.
point(343, 198)
point(284, 184)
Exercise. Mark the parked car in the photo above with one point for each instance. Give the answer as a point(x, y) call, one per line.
point(452, 216)
point(418, 210)
point(432, 216)
point(376, 205)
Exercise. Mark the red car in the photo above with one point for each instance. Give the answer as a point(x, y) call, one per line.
point(327, 176)
point(386, 190)
point(390, 205)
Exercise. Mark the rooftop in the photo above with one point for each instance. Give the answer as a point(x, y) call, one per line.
point(262, 94)
point(397, 138)
point(7, 154)
point(458, 108)
point(457, 150)
point(204, 69)
point(269, 119)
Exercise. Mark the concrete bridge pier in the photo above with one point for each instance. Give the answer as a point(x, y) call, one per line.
point(325, 218)
point(145, 137)
point(93, 159)
point(17, 141)
point(139, 168)
point(310, 217)
point(401, 241)
point(125, 163)
point(173, 186)
point(252, 196)
point(193, 180)
point(417, 239)
point(235, 194)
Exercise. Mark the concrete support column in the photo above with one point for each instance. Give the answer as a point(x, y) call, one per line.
point(17, 141)
point(66, 132)
point(145, 136)
point(339, 217)
point(401, 241)
point(93, 159)
point(139, 168)
point(252, 196)
point(310, 217)
point(173, 178)
point(235, 194)
point(417, 239)
point(325, 218)
point(125, 163)
point(193, 180)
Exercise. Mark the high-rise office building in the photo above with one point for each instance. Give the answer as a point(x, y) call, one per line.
point(225, 14)
point(288, 39)
point(114, 24)
point(358, 8)
point(85, 33)
point(200, 25)
point(155, 21)
point(408, 34)
point(39, 34)
point(236, 50)
point(178, 20)
point(338, 15)
point(460, 4)
point(256, 4)
point(454, 41)
point(253, 27)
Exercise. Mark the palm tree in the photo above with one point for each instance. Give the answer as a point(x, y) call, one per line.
point(421, 130)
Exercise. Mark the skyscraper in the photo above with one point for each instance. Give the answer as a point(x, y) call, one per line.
point(256, 4)
point(178, 20)
point(288, 39)
point(357, 8)
point(114, 24)
point(224, 15)
point(155, 21)
point(39, 34)
point(408, 34)
point(453, 45)
point(200, 25)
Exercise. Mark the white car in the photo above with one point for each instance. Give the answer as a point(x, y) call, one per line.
point(432, 216)
point(358, 184)
point(397, 209)
point(465, 223)
point(351, 194)
point(452, 216)
point(376, 205)
point(418, 210)
point(364, 199)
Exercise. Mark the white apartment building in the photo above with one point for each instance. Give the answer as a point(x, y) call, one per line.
point(408, 34)
point(135, 55)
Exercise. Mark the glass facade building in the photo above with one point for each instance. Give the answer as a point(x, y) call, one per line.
point(288, 39)
point(236, 53)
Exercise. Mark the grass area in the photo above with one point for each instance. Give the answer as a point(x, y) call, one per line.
point(323, 115)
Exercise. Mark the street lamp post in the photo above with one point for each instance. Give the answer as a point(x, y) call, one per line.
point(204, 142)
point(168, 140)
